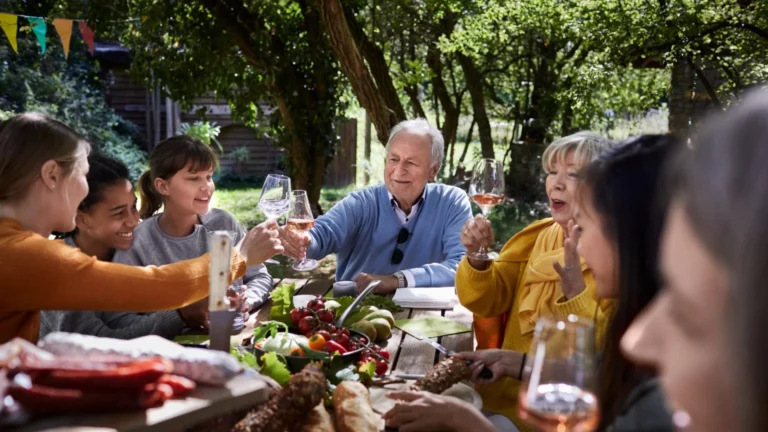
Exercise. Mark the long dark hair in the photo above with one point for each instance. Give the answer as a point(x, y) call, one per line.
point(625, 189)
point(103, 172)
point(722, 184)
point(167, 158)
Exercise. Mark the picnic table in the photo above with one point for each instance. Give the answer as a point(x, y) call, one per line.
point(408, 355)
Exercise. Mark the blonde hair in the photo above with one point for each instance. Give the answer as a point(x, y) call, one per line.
point(586, 147)
point(29, 140)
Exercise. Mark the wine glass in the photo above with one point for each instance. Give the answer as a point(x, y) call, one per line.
point(275, 200)
point(487, 190)
point(301, 221)
point(557, 392)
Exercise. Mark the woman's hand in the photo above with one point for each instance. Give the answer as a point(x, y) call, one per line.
point(422, 411)
point(261, 243)
point(501, 362)
point(475, 234)
point(571, 278)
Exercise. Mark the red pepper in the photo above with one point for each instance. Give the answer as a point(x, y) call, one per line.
point(332, 346)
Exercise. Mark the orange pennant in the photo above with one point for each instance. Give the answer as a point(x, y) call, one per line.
point(87, 35)
point(9, 23)
point(64, 29)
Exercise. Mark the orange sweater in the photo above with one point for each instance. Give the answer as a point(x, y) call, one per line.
point(37, 273)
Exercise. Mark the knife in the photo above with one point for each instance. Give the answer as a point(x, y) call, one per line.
point(485, 373)
point(221, 317)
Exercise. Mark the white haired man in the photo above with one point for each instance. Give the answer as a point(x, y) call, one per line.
point(404, 232)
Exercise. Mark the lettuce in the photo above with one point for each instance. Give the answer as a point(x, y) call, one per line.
point(282, 303)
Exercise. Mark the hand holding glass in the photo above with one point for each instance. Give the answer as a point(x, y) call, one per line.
point(301, 221)
point(487, 190)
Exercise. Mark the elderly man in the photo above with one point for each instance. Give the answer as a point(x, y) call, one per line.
point(404, 232)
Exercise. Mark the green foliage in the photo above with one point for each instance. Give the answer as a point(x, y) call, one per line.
point(274, 367)
point(240, 154)
point(204, 131)
point(282, 303)
point(71, 91)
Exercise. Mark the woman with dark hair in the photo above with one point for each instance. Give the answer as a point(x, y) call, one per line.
point(619, 217)
point(706, 331)
point(43, 167)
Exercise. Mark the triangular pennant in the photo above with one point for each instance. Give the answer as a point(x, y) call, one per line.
point(39, 28)
point(64, 29)
point(9, 23)
point(87, 35)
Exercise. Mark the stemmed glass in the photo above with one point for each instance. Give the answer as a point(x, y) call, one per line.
point(301, 221)
point(275, 200)
point(487, 190)
point(557, 392)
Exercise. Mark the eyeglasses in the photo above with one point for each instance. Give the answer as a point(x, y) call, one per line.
point(402, 237)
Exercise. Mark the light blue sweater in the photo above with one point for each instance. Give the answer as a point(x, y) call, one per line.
point(362, 230)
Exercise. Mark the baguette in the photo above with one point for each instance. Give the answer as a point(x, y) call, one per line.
point(352, 406)
point(318, 420)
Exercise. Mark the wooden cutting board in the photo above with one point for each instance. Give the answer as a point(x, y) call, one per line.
point(241, 392)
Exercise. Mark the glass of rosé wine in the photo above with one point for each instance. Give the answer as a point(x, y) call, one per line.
point(486, 189)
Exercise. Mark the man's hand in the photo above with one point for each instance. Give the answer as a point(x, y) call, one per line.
point(501, 362)
point(294, 243)
point(388, 283)
point(422, 411)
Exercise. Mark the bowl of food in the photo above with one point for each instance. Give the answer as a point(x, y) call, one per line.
point(298, 350)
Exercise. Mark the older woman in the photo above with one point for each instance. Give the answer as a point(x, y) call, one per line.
point(714, 263)
point(509, 294)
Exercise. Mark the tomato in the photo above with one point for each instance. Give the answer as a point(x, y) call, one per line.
point(384, 354)
point(298, 313)
point(316, 304)
point(324, 334)
point(307, 324)
point(325, 315)
point(317, 342)
point(342, 340)
point(381, 367)
point(332, 347)
point(297, 351)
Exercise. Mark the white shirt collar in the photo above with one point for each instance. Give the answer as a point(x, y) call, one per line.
point(414, 209)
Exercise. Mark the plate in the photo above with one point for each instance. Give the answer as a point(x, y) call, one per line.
point(301, 301)
point(381, 404)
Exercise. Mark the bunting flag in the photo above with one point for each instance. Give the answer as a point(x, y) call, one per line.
point(64, 29)
point(9, 23)
point(39, 28)
point(87, 35)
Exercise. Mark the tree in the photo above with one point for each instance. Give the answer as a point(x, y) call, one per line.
point(252, 54)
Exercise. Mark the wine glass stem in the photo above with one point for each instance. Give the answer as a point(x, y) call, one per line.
point(485, 211)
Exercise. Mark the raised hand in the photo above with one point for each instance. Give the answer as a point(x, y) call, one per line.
point(261, 243)
point(571, 278)
point(294, 243)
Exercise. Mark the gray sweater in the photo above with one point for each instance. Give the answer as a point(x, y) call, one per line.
point(151, 246)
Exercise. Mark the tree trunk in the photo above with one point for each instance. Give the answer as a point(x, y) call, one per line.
point(451, 124)
point(413, 96)
point(348, 54)
point(475, 85)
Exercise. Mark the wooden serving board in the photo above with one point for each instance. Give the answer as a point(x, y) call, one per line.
point(241, 392)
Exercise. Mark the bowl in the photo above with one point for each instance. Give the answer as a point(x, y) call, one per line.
point(296, 364)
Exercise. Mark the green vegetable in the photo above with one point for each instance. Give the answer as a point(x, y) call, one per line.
point(191, 339)
point(270, 328)
point(273, 367)
point(344, 303)
point(367, 370)
point(282, 303)
point(314, 355)
point(244, 357)
point(283, 343)
point(380, 302)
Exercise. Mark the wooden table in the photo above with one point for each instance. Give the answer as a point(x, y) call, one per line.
point(408, 355)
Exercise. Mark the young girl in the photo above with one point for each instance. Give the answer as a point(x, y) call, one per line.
point(43, 167)
point(105, 222)
point(180, 178)
point(621, 222)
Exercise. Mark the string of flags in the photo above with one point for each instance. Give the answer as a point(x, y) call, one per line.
point(63, 26)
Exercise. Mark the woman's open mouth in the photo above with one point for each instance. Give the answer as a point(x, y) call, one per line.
point(557, 205)
point(125, 235)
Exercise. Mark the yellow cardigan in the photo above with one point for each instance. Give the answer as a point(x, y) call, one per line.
point(497, 291)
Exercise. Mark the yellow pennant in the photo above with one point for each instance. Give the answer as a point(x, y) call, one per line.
point(64, 29)
point(9, 24)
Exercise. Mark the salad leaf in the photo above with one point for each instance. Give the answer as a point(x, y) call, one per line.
point(282, 303)
point(380, 302)
point(191, 339)
point(244, 357)
point(273, 367)
point(270, 328)
point(313, 354)
point(344, 303)
point(367, 370)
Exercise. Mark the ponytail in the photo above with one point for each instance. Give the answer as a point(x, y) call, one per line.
point(151, 200)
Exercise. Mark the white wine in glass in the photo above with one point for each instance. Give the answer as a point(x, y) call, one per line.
point(275, 200)
point(558, 389)
point(301, 221)
point(487, 190)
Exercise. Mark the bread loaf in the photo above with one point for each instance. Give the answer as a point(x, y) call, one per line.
point(352, 406)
